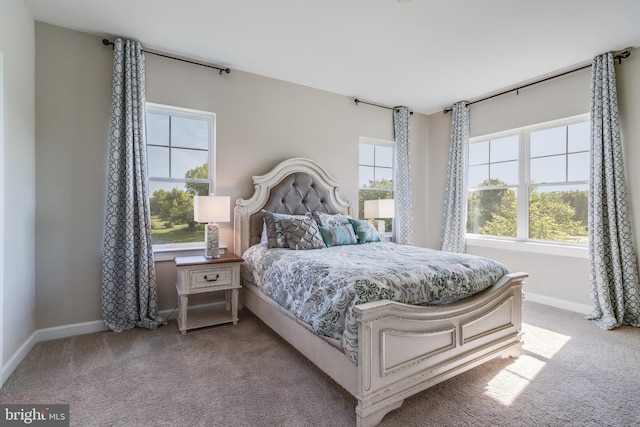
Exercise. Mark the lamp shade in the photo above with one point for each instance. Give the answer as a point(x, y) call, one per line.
point(211, 208)
point(382, 208)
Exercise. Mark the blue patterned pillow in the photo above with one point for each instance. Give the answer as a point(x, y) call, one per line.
point(365, 231)
point(329, 220)
point(338, 236)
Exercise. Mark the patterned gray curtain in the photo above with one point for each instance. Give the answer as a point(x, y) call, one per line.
point(129, 295)
point(454, 218)
point(402, 181)
point(613, 271)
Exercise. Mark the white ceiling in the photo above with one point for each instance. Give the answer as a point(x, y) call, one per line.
point(425, 54)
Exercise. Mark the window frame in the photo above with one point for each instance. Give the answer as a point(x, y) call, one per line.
point(517, 187)
point(167, 250)
point(522, 241)
point(384, 143)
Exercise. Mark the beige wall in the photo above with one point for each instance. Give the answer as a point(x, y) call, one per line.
point(17, 180)
point(73, 101)
point(260, 121)
point(562, 279)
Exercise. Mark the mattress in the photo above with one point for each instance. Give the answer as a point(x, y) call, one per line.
point(320, 287)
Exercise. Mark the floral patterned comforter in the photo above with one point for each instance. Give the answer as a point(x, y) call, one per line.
point(321, 286)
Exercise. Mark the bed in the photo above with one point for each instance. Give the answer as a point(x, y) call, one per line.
point(398, 349)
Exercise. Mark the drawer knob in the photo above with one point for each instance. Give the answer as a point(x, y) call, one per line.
point(213, 279)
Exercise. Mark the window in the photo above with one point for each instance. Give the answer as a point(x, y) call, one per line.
point(180, 159)
point(531, 183)
point(376, 162)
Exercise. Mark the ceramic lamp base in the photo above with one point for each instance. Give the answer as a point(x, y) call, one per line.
point(380, 226)
point(212, 240)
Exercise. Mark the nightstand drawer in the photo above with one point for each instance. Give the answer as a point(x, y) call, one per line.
point(211, 277)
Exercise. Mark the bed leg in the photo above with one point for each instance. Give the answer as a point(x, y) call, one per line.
point(374, 418)
point(515, 351)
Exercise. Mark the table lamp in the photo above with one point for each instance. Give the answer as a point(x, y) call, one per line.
point(381, 208)
point(211, 209)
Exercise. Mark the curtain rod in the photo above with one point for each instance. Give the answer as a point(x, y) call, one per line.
point(620, 56)
point(358, 101)
point(106, 42)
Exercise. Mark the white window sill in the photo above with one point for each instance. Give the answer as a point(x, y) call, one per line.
point(531, 247)
point(168, 254)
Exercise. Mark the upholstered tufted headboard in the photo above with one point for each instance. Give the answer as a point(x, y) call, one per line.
point(295, 186)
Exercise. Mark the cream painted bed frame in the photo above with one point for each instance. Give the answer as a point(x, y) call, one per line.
point(402, 349)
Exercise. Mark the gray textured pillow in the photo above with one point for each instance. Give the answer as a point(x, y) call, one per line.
point(302, 233)
point(264, 239)
point(275, 233)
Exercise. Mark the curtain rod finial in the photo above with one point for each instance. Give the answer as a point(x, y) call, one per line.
point(622, 55)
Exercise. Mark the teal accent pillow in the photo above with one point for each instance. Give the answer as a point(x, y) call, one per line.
point(338, 236)
point(365, 231)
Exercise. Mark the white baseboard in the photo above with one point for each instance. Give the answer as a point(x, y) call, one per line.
point(71, 330)
point(14, 361)
point(66, 331)
point(558, 303)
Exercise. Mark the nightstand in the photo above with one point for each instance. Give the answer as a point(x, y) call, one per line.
point(197, 274)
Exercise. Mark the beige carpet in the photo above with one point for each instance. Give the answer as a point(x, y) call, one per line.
point(571, 373)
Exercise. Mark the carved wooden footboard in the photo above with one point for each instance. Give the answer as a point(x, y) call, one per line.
point(405, 349)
